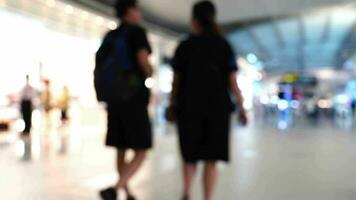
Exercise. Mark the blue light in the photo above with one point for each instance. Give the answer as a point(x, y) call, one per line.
point(252, 58)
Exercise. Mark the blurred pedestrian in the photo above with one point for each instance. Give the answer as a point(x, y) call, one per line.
point(46, 101)
point(27, 96)
point(64, 101)
point(204, 73)
point(122, 66)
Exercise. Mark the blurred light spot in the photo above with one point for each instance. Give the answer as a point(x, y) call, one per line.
point(295, 104)
point(282, 104)
point(20, 125)
point(252, 58)
point(324, 103)
point(325, 74)
point(342, 99)
point(149, 83)
point(282, 125)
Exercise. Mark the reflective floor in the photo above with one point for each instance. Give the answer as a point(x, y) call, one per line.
point(309, 162)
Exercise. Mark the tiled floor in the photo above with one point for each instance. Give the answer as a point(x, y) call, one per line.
point(71, 163)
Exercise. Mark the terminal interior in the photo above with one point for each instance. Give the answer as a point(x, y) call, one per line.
point(297, 72)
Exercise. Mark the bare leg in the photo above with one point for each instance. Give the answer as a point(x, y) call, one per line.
point(121, 164)
point(131, 168)
point(189, 170)
point(121, 161)
point(209, 179)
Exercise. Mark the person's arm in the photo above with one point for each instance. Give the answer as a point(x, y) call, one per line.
point(143, 50)
point(239, 98)
point(171, 111)
point(178, 63)
point(175, 84)
point(144, 62)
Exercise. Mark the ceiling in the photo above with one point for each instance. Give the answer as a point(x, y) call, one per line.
point(324, 38)
point(285, 35)
point(176, 14)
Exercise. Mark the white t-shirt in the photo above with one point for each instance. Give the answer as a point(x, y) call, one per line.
point(28, 93)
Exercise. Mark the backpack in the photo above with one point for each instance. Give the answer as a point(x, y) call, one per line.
point(115, 77)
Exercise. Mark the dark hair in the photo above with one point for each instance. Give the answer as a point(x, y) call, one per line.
point(205, 13)
point(122, 6)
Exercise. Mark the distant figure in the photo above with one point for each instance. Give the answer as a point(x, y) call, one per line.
point(47, 97)
point(27, 96)
point(122, 66)
point(64, 104)
point(46, 100)
point(204, 73)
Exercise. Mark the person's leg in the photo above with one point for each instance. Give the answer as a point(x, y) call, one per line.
point(121, 164)
point(120, 160)
point(63, 116)
point(209, 179)
point(27, 116)
point(30, 109)
point(131, 168)
point(189, 170)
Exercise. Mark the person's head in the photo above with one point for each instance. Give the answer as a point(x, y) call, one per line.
point(47, 83)
point(204, 17)
point(128, 11)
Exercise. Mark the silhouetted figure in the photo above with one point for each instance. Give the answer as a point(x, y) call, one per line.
point(122, 65)
point(27, 95)
point(46, 101)
point(204, 73)
point(64, 104)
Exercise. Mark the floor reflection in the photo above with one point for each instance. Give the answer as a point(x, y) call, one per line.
point(70, 161)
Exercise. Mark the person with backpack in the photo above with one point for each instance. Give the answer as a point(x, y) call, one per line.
point(122, 66)
point(204, 75)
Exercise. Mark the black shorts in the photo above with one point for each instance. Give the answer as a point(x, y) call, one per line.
point(204, 138)
point(129, 126)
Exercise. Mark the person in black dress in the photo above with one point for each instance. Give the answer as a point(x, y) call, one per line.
point(204, 75)
point(129, 126)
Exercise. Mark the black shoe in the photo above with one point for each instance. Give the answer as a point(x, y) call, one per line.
point(108, 194)
point(131, 198)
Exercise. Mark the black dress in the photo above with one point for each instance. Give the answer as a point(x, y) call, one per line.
point(204, 64)
point(129, 126)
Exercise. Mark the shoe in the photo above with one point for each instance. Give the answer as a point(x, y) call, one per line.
point(131, 198)
point(108, 194)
